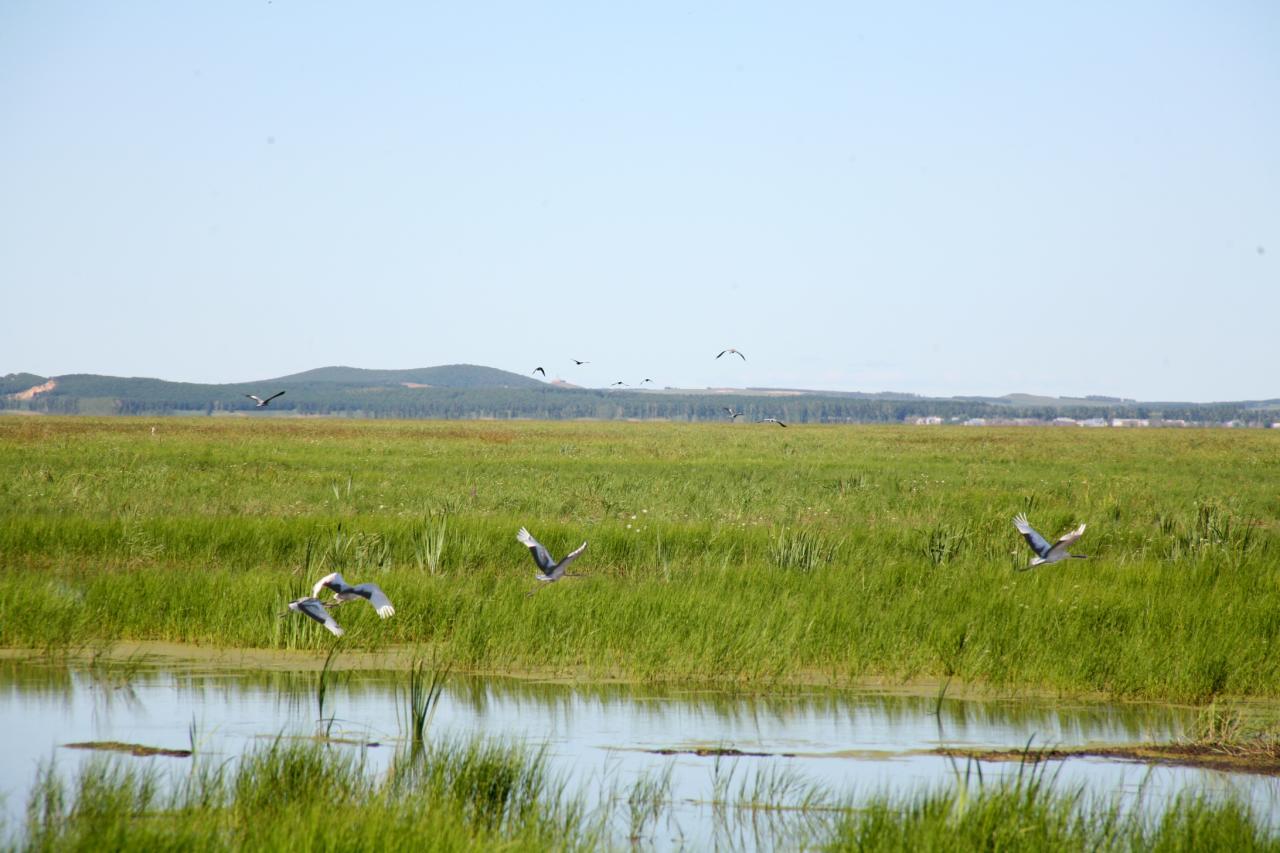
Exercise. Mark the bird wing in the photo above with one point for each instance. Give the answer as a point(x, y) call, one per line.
point(557, 571)
point(540, 555)
point(540, 370)
point(779, 423)
point(1037, 542)
point(1069, 539)
point(333, 582)
point(740, 355)
point(722, 352)
point(254, 398)
point(314, 609)
point(570, 557)
point(375, 596)
point(273, 396)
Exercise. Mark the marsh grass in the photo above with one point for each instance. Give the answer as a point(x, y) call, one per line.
point(1029, 813)
point(802, 549)
point(713, 556)
point(425, 686)
point(300, 795)
point(474, 795)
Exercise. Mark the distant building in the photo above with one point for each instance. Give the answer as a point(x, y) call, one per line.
point(1130, 422)
point(1065, 422)
point(1094, 422)
point(976, 422)
point(928, 420)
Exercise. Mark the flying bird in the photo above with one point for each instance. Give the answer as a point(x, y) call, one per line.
point(773, 421)
point(344, 592)
point(1046, 553)
point(575, 361)
point(619, 382)
point(314, 608)
point(734, 351)
point(261, 402)
point(539, 370)
point(642, 381)
point(548, 569)
point(733, 416)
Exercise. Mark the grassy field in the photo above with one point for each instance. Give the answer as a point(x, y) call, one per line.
point(734, 553)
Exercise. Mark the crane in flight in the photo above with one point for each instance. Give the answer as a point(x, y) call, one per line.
point(261, 403)
point(1046, 553)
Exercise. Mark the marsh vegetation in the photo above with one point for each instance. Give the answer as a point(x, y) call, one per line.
point(718, 553)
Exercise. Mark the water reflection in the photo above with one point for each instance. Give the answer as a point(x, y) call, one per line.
point(843, 744)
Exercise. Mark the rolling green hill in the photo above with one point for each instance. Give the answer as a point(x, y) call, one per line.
point(474, 391)
point(444, 376)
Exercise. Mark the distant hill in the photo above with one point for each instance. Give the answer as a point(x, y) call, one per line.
point(15, 383)
point(474, 391)
point(444, 376)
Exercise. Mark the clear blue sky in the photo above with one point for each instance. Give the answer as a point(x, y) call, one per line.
point(933, 197)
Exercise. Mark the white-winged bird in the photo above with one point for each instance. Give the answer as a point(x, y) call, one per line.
point(733, 416)
point(261, 403)
point(1046, 553)
point(734, 351)
point(548, 569)
point(344, 592)
point(773, 421)
point(315, 609)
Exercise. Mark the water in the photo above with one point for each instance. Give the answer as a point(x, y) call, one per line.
point(602, 737)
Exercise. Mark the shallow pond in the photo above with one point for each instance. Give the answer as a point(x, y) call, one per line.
point(603, 738)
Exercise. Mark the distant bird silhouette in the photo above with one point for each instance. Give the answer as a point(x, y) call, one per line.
point(734, 351)
point(540, 370)
point(642, 381)
point(1046, 553)
point(548, 569)
point(733, 416)
point(261, 403)
point(773, 421)
point(344, 592)
point(575, 361)
point(619, 382)
point(313, 608)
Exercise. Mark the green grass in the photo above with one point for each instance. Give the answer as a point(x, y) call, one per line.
point(462, 795)
point(718, 553)
point(1028, 814)
point(467, 795)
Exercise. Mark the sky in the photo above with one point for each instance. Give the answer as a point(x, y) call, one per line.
point(939, 198)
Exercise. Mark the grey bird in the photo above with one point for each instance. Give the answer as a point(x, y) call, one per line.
point(314, 608)
point(548, 569)
point(344, 592)
point(261, 403)
point(1046, 553)
point(733, 415)
point(734, 351)
point(773, 421)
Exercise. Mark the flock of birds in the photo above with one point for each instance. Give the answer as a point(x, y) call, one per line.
point(264, 402)
point(732, 413)
point(550, 570)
